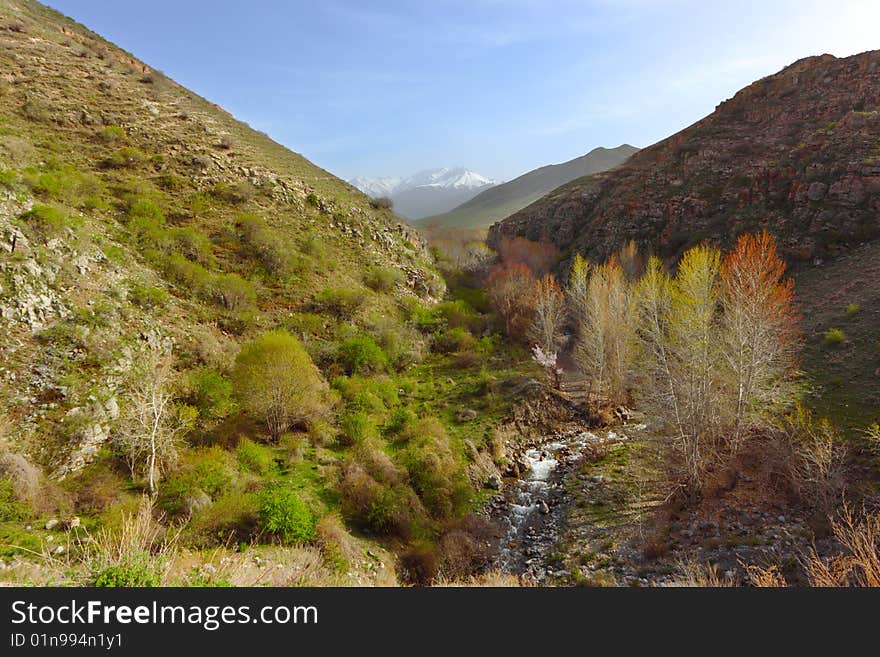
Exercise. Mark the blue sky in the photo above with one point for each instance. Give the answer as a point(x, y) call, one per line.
point(498, 86)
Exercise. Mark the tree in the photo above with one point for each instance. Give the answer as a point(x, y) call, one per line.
point(549, 314)
point(603, 348)
point(511, 290)
point(275, 379)
point(151, 424)
point(679, 342)
point(759, 329)
point(693, 338)
point(578, 289)
point(631, 260)
point(539, 257)
point(548, 360)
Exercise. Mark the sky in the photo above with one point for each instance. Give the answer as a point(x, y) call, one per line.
point(498, 86)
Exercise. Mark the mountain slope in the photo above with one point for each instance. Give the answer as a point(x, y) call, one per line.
point(129, 206)
point(426, 192)
point(797, 152)
point(503, 200)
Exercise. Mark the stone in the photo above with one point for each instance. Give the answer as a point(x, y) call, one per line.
point(51, 524)
point(494, 482)
point(543, 508)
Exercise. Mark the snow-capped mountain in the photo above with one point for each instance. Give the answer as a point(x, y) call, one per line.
point(427, 192)
point(376, 187)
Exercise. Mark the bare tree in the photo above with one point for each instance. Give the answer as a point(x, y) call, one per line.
point(511, 291)
point(549, 314)
point(603, 348)
point(678, 339)
point(151, 424)
point(578, 289)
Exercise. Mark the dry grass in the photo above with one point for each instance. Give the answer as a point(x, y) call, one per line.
point(139, 536)
point(491, 579)
point(768, 578)
point(695, 575)
point(857, 565)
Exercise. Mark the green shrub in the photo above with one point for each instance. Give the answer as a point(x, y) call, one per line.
point(362, 354)
point(96, 203)
point(852, 310)
point(403, 344)
point(48, 221)
point(399, 420)
point(434, 471)
point(459, 314)
point(313, 246)
point(284, 513)
point(475, 298)
point(273, 253)
point(381, 203)
point(170, 182)
point(148, 297)
point(126, 158)
point(357, 427)
point(422, 317)
point(193, 244)
point(146, 224)
point(211, 394)
point(8, 178)
point(207, 470)
point(342, 302)
point(233, 292)
point(234, 516)
point(11, 508)
point(307, 324)
point(189, 274)
point(235, 193)
point(255, 457)
point(62, 183)
point(312, 200)
point(111, 134)
point(453, 340)
point(139, 569)
point(382, 508)
point(322, 433)
point(275, 380)
point(834, 336)
point(382, 279)
point(391, 511)
point(375, 395)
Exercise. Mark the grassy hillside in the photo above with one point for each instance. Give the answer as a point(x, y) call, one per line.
point(137, 218)
point(503, 200)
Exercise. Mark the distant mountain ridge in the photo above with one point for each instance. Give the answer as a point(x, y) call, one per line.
point(427, 192)
point(500, 201)
point(797, 152)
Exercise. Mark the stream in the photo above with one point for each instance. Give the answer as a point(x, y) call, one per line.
point(535, 505)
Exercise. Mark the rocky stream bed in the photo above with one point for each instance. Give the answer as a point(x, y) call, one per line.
point(580, 512)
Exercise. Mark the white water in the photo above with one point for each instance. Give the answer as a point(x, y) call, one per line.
point(532, 491)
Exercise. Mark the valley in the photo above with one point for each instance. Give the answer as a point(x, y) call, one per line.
point(224, 366)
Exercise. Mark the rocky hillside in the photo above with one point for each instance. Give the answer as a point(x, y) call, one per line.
point(130, 206)
point(498, 202)
point(797, 152)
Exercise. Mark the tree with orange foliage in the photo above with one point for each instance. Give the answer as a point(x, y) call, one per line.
point(511, 290)
point(539, 257)
point(759, 329)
